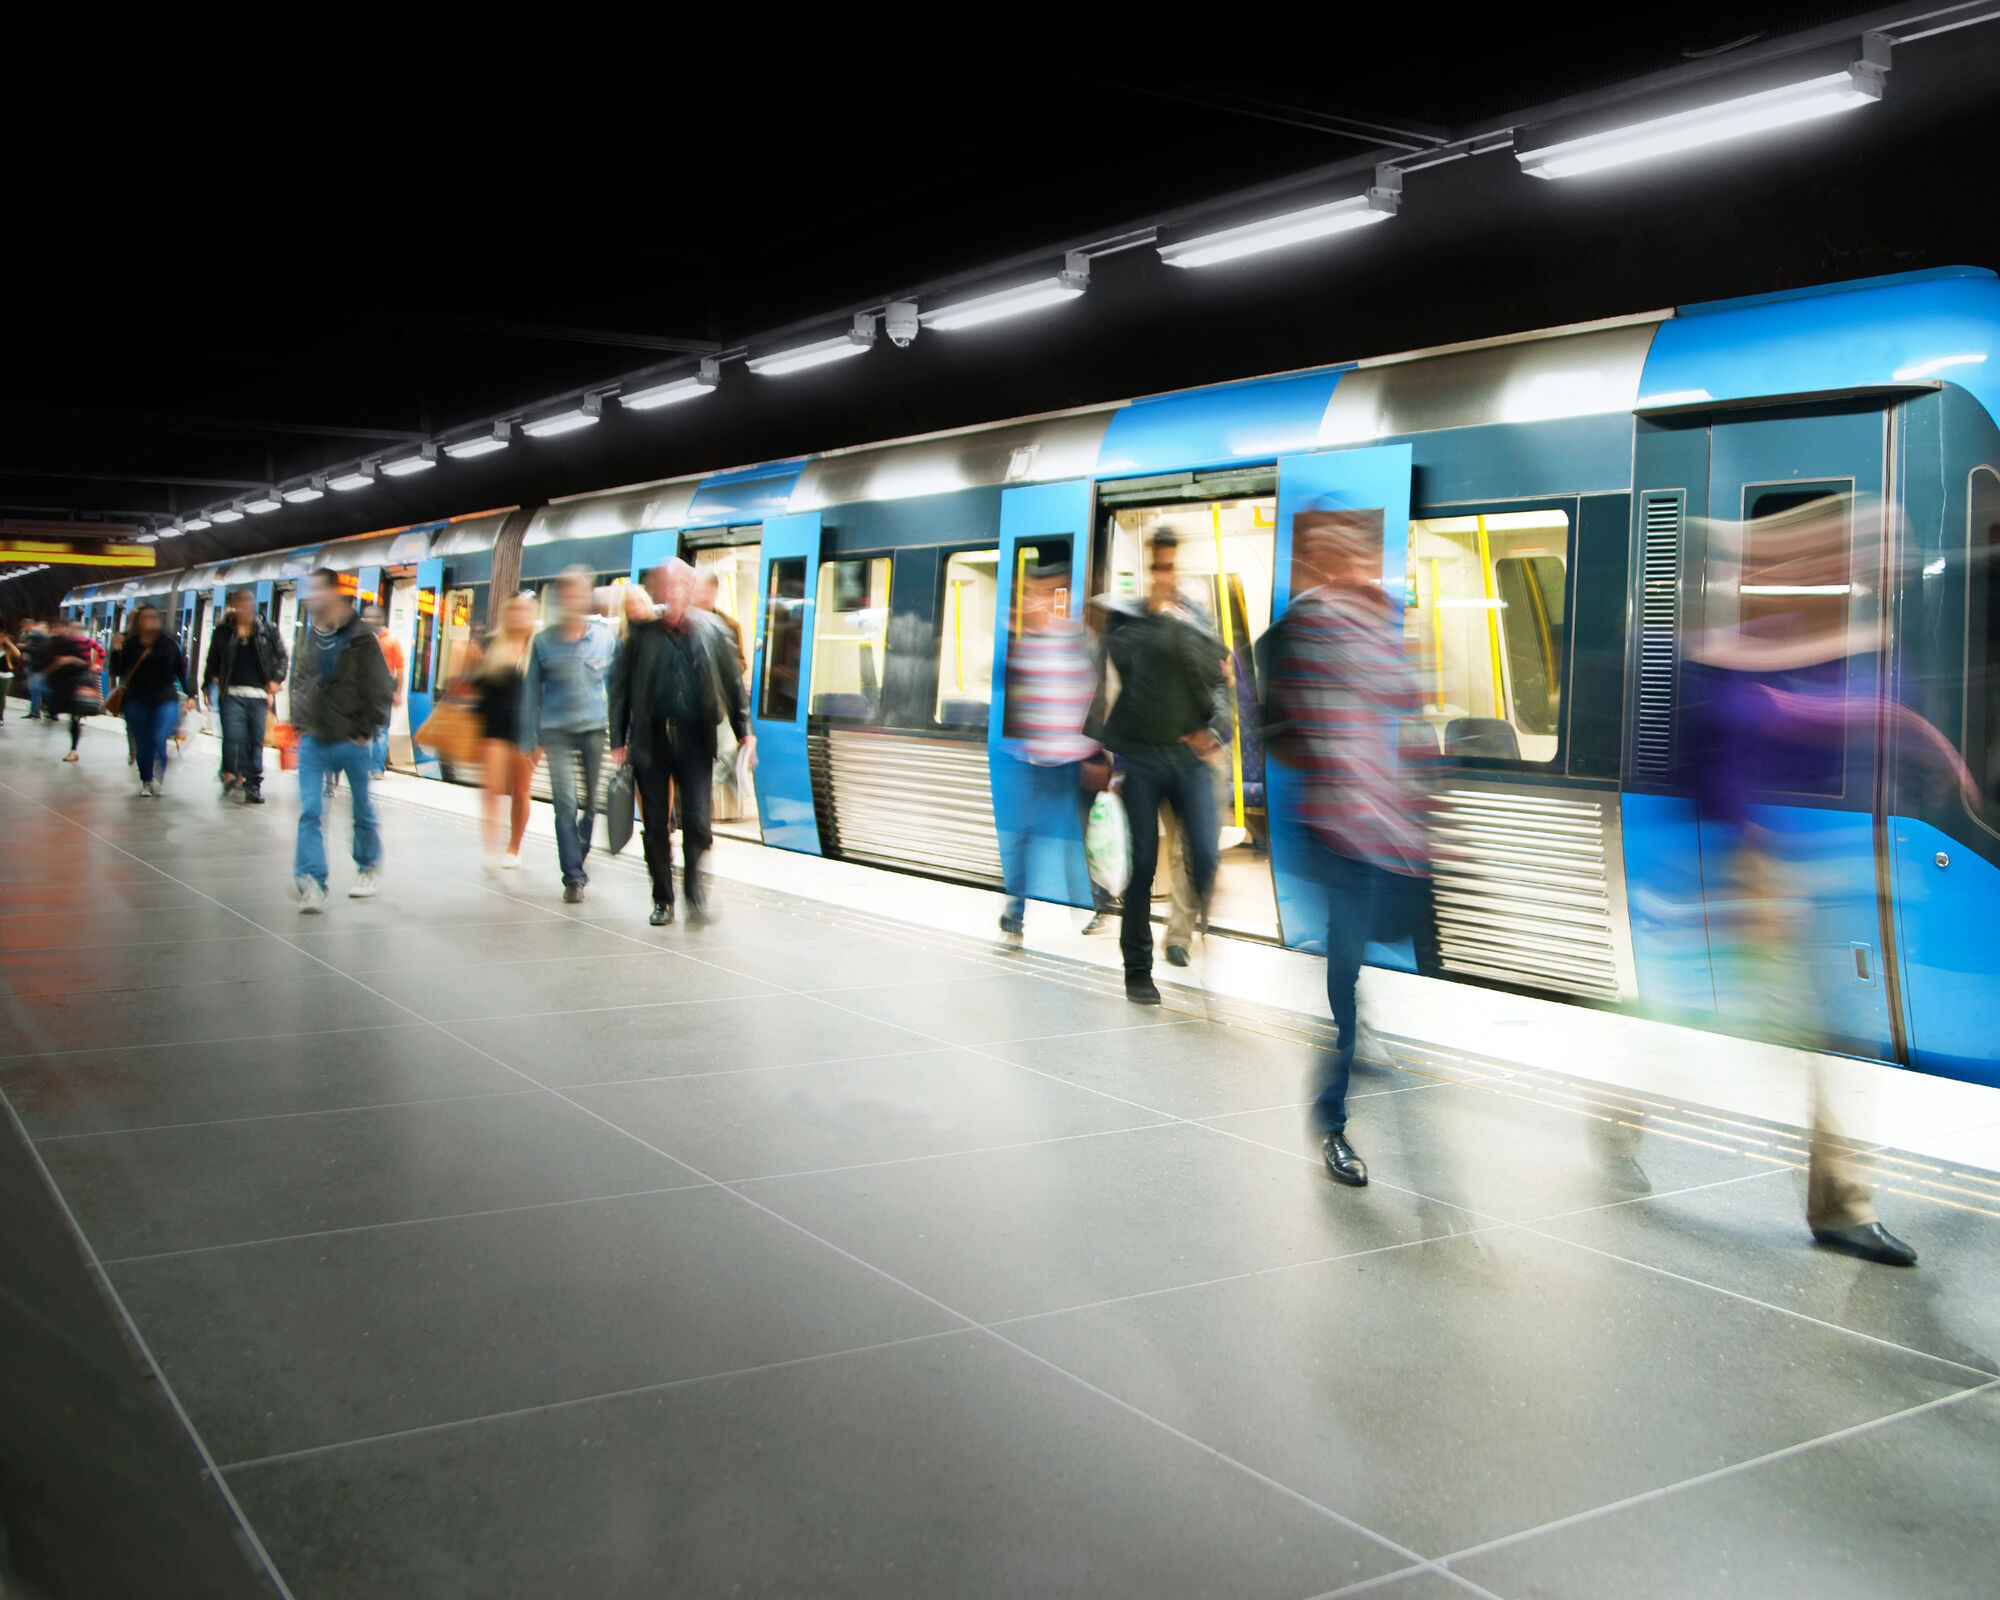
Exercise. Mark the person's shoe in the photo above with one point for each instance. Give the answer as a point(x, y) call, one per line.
point(158, 788)
point(662, 915)
point(312, 895)
point(1869, 1241)
point(572, 894)
point(1342, 1164)
point(1177, 955)
point(510, 862)
point(701, 912)
point(71, 756)
point(145, 790)
point(367, 886)
point(253, 797)
point(1098, 922)
point(1140, 989)
point(1011, 929)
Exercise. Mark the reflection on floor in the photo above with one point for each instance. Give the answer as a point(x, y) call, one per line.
point(499, 1247)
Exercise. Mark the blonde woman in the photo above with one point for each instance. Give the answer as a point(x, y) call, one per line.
point(496, 679)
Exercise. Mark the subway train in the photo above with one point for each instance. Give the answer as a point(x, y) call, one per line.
point(1549, 504)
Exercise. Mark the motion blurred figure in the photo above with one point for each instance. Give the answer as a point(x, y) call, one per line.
point(36, 653)
point(71, 688)
point(672, 681)
point(10, 663)
point(340, 696)
point(563, 715)
point(496, 675)
point(727, 801)
point(245, 669)
point(154, 674)
point(1051, 681)
point(1338, 687)
point(1169, 669)
point(392, 654)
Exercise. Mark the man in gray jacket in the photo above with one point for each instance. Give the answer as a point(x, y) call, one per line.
point(563, 715)
point(341, 688)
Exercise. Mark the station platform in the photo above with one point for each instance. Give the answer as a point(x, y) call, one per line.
point(490, 1246)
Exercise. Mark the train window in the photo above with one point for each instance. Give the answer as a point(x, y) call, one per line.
point(420, 657)
point(1485, 630)
point(971, 602)
point(1982, 641)
point(850, 638)
point(784, 640)
point(1042, 553)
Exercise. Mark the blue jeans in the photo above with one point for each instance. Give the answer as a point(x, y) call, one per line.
point(566, 751)
point(38, 691)
point(1363, 902)
point(1176, 776)
point(320, 759)
point(150, 727)
point(378, 752)
point(1049, 811)
point(243, 739)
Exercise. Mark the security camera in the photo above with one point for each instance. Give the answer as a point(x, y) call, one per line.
point(899, 321)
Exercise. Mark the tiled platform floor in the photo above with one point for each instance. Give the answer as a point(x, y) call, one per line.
point(497, 1247)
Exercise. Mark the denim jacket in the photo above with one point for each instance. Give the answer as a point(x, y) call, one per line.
point(564, 690)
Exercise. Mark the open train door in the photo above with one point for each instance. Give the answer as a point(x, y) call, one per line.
point(1374, 482)
point(423, 662)
point(780, 693)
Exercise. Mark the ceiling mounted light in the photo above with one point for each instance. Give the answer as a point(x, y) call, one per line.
point(353, 478)
point(1293, 227)
point(483, 444)
point(149, 538)
point(403, 466)
point(262, 505)
point(225, 514)
point(1065, 285)
point(170, 530)
point(300, 493)
point(581, 415)
point(196, 524)
point(1547, 154)
point(668, 394)
point(856, 341)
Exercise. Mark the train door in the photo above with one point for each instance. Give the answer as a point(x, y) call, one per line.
point(732, 559)
point(289, 621)
point(1788, 595)
point(399, 605)
point(425, 684)
point(780, 681)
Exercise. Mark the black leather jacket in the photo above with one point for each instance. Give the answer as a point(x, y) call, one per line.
point(629, 686)
point(271, 661)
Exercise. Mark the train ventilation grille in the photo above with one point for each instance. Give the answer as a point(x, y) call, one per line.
point(1522, 892)
point(1659, 633)
point(925, 805)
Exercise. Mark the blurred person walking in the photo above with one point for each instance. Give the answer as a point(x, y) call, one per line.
point(392, 655)
point(10, 666)
point(727, 799)
point(1339, 685)
point(340, 693)
point(672, 681)
point(496, 674)
point(563, 716)
point(1169, 671)
point(1051, 682)
point(153, 683)
point(36, 653)
point(246, 667)
point(71, 682)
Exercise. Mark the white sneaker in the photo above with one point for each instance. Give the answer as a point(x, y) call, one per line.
point(367, 886)
point(510, 862)
point(311, 896)
point(145, 790)
point(159, 788)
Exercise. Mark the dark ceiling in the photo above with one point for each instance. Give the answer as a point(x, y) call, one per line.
point(241, 293)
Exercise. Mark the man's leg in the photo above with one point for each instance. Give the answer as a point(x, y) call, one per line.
point(354, 760)
point(1193, 798)
point(234, 731)
point(256, 713)
point(309, 857)
point(694, 776)
point(34, 695)
point(1015, 845)
point(1141, 794)
point(559, 750)
point(590, 753)
point(655, 785)
point(1350, 897)
point(378, 752)
point(1182, 909)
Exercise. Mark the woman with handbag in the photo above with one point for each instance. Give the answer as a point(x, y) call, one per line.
point(153, 685)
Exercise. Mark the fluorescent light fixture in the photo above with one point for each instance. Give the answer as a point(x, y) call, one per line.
point(225, 514)
point(1924, 369)
point(173, 530)
point(196, 524)
point(299, 494)
point(403, 466)
point(263, 505)
point(1738, 117)
point(483, 444)
point(582, 415)
point(673, 393)
point(856, 341)
point(1293, 227)
point(1065, 285)
point(149, 538)
point(354, 478)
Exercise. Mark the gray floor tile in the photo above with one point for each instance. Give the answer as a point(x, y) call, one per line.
point(1470, 1388)
point(950, 1467)
point(1423, 1584)
point(466, 944)
point(1189, 1069)
point(667, 1041)
point(286, 1346)
point(1911, 1508)
point(503, 989)
point(144, 1086)
point(832, 1114)
point(59, 899)
point(848, 960)
point(741, 925)
point(314, 1001)
point(403, 904)
point(988, 1009)
point(180, 917)
point(1006, 1233)
point(167, 964)
point(1751, 1238)
point(220, 1183)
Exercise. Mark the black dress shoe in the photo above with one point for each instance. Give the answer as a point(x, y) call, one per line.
point(700, 914)
point(1342, 1164)
point(1177, 955)
point(662, 915)
point(1870, 1241)
point(1139, 989)
point(572, 894)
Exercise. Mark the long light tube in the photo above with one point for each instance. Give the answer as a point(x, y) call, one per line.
point(403, 466)
point(300, 494)
point(481, 445)
point(674, 392)
point(856, 341)
point(196, 524)
point(225, 514)
point(1738, 118)
point(348, 482)
point(1065, 285)
point(560, 422)
point(1275, 233)
point(263, 505)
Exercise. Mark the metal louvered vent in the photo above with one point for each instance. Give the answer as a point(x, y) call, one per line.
point(1659, 633)
point(902, 800)
point(1524, 891)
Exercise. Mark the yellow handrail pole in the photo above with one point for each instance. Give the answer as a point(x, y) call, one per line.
point(1492, 620)
point(1020, 581)
point(1229, 644)
point(958, 629)
point(1436, 662)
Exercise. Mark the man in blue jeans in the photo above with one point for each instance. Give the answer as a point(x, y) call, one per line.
point(341, 689)
point(563, 715)
point(246, 667)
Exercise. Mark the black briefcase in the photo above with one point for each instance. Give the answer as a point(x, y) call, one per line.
point(619, 801)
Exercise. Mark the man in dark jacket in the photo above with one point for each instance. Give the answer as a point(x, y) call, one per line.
point(340, 695)
point(246, 666)
point(673, 680)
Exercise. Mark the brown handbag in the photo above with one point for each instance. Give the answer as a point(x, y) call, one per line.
point(114, 702)
point(454, 731)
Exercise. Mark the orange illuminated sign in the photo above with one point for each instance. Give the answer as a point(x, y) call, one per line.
point(70, 553)
point(427, 602)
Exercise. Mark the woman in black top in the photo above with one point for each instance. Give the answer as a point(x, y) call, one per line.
point(497, 679)
point(71, 681)
point(151, 667)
